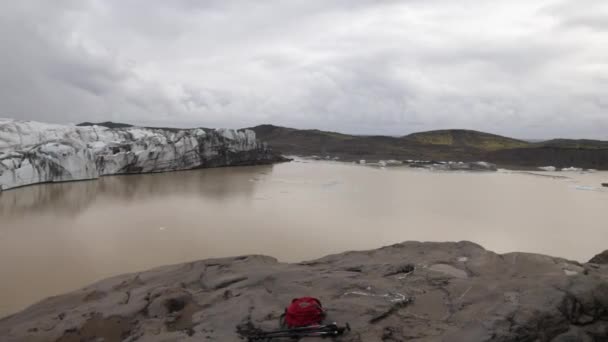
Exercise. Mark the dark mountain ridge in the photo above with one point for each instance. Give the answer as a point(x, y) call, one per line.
point(444, 145)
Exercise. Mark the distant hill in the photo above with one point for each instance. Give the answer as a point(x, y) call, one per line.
point(446, 145)
point(291, 140)
point(435, 145)
point(466, 138)
point(588, 158)
point(316, 142)
point(578, 144)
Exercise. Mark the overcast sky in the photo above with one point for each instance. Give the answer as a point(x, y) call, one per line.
point(530, 69)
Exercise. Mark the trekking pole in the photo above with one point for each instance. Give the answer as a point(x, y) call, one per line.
point(294, 335)
point(333, 326)
point(319, 330)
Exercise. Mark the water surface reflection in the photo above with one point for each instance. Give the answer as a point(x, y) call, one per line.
point(74, 197)
point(58, 237)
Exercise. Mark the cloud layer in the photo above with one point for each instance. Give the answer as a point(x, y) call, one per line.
point(527, 69)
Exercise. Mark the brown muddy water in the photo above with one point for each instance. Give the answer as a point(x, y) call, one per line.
point(59, 237)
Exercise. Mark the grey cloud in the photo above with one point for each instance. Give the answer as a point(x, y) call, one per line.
point(591, 14)
point(594, 21)
point(195, 98)
point(87, 73)
point(362, 66)
point(49, 76)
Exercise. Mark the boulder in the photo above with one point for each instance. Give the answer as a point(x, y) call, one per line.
point(410, 291)
point(601, 258)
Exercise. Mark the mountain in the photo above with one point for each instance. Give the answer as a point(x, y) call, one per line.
point(345, 146)
point(448, 145)
point(437, 145)
point(577, 144)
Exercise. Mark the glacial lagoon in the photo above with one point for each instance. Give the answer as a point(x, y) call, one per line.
point(59, 237)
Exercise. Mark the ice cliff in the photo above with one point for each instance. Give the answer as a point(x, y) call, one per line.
point(35, 152)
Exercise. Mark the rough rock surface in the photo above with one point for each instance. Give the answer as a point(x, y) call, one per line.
point(34, 152)
point(460, 291)
point(601, 258)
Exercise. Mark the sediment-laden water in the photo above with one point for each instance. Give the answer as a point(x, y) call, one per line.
point(58, 237)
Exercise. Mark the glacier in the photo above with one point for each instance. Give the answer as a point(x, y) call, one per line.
point(35, 152)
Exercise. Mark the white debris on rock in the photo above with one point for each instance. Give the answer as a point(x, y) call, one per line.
point(34, 152)
point(574, 169)
point(449, 270)
point(393, 297)
point(390, 162)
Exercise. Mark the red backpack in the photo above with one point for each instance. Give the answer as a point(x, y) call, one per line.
point(303, 312)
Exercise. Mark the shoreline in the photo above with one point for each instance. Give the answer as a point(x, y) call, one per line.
point(407, 163)
point(282, 159)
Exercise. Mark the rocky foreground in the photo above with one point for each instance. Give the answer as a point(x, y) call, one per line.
point(35, 152)
point(406, 292)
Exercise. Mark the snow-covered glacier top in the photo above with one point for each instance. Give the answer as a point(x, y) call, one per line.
point(35, 152)
point(18, 134)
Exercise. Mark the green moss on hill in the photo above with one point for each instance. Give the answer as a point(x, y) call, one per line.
point(466, 138)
